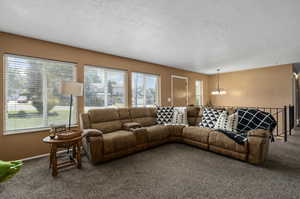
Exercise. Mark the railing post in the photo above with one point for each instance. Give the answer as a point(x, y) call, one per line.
point(291, 119)
point(277, 120)
point(284, 123)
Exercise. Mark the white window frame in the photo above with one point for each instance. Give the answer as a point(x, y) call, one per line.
point(200, 94)
point(106, 69)
point(158, 96)
point(45, 99)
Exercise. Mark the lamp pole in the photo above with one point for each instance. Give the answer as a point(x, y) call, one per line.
point(70, 112)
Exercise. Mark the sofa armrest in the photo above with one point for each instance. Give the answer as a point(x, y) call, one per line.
point(131, 125)
point(93, 144)
point(91, 133)
point(259, 133)
point(258, 142)
point(138, 130)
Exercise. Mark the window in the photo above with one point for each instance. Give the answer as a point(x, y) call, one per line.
point(199, 93)
point(145, 89)
point(104, 87)
point(33, 98)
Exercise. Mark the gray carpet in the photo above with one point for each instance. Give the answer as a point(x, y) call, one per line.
point(168, 171)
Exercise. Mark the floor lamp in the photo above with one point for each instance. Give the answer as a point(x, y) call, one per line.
point(73, 89)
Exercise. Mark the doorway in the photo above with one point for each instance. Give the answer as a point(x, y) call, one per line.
point(179, 92)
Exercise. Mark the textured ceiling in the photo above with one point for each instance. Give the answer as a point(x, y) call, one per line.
point(196, 35)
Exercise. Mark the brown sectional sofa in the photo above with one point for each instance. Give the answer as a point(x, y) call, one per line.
point(111, 133)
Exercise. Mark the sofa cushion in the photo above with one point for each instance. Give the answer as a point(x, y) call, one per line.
point(145, 121)
point(222, 141)
point(196, 133)
point(176, 130)
point(139, 112)
point(194, 121)
point(124, 115)
point(118, 140)
point(157, 132)
point(103, 115)
point(194, 115)
point(193, 111)
point(107, 127)
point(84, 121)
point(144, 116)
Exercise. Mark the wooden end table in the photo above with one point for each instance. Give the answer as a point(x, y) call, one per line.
point(74, 143)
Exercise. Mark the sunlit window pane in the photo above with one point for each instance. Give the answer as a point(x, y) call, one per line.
point(104, 87)
point(198, 92)
point(145, 89)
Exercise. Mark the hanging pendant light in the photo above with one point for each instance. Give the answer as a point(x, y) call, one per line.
point(218, 91)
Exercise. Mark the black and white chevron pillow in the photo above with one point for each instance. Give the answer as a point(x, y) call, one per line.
point(210, 117)
point(164, 114)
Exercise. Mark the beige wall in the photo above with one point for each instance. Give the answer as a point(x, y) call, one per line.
point(25, 145)
point(266, 87)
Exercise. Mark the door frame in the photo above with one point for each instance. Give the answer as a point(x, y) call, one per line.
point(187, 88)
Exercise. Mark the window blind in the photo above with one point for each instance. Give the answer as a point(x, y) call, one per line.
point(32, 92)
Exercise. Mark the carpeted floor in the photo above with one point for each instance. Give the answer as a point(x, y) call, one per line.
point(168, 171)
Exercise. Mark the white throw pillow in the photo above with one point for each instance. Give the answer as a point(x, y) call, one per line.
point(228, 123)
point(180, 116)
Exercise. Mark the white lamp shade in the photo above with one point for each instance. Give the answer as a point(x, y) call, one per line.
point(71, 88)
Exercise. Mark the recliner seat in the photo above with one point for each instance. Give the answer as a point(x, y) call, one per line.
point(107, 134)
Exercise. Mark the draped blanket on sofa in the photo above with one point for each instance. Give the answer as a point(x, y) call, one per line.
point(250, 119)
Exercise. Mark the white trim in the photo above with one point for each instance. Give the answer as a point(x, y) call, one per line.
point(187, 88)
point(32, 130)
point(201, 92)
point(159, 91)
point(126, 89)
point(48, 154)
point(45, 96)
point(42, 155)
point(5, 93)
point(179, 77)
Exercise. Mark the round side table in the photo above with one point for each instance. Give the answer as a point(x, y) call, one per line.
point(74, 143)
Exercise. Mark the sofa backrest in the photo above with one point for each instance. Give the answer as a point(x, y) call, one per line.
point(124, 115)
point(144, 116)
point(194, 115)
point(106, 120)
point(110, 119)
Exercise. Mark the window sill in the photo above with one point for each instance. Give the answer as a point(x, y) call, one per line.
point(24, 131)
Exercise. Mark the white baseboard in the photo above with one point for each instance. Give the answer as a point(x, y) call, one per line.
point(46, 154)
point(41, 156)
